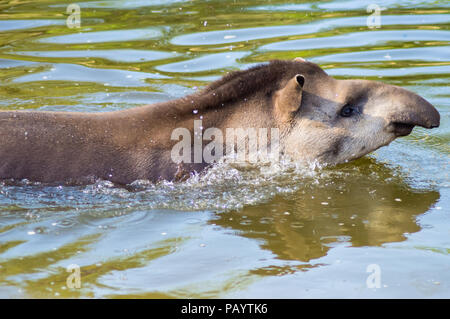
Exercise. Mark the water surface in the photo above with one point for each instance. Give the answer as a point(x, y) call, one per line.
point(281, 231)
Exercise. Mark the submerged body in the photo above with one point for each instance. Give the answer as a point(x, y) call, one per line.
point(318, 117)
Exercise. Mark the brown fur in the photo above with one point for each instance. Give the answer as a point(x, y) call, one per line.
point(124, 146)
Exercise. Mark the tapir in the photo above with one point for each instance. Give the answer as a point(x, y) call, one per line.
point(317, 117)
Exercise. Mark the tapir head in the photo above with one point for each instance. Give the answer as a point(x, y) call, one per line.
point(334, 121)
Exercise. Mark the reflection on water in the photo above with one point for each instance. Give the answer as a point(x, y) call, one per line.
point(246, 231)
point(350, 209)
point(124, 248)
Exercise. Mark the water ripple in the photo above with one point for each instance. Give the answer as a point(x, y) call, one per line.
point(249, 34)
point(79, 73)
point(358, 39)
point(106, 36)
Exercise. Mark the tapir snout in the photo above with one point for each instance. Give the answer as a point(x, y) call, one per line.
point(411, 110)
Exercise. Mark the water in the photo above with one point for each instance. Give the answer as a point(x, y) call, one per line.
point(253, 231)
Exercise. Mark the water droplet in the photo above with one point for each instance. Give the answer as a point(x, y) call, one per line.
point(297, 225)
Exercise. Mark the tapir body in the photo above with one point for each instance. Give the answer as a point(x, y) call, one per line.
point(318, 118)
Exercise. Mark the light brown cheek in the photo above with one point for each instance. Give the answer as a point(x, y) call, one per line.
point(311, 142)
point(366, 138)
point(373, 134)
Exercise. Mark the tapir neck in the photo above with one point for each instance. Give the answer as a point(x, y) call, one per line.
point(255, 112)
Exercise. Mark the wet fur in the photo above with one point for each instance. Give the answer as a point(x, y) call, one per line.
point(127, 145)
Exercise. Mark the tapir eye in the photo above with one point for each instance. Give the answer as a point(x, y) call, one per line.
point(348, 110)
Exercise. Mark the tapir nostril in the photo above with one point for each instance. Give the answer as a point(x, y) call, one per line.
point(436, 121)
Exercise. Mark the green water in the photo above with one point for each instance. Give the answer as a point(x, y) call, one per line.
point(286, 232)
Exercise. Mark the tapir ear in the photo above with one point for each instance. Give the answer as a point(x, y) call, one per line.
point(300, 80)
point(289, 98)
point(299, 59)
